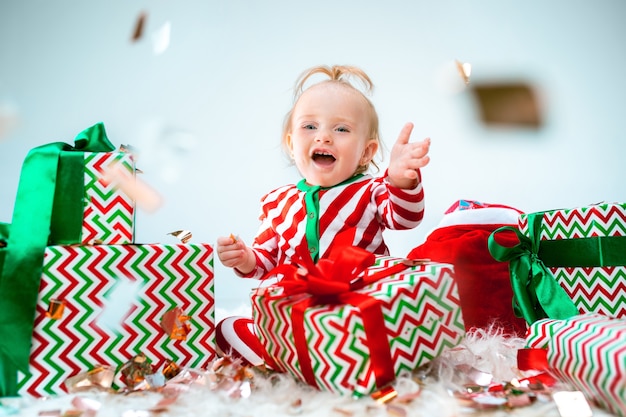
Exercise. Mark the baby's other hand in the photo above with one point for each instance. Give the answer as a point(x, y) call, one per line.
point(234, 253)
point(406, 159)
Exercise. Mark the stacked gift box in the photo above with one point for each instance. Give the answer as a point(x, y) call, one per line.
point(101, 299)
point(568, 274)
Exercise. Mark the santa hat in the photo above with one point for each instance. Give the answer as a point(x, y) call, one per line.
point(484, 285)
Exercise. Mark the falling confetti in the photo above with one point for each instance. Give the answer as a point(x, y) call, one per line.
point(454, 76)
point(139, 27)
point(465, 69)
point(512, 103)
point(174, 322)
point(8, 118)
point(145, 196)
point(118, 304)
point(55, 309)
point(183, 235)
point(161, 38)
point(101, 377)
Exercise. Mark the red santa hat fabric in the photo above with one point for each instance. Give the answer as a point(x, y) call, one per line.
point(484, 285)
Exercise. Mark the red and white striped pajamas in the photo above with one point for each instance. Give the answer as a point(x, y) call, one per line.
point(355, 213)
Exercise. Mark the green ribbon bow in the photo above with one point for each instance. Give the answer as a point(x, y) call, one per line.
point(536, 294)
point(48, 208)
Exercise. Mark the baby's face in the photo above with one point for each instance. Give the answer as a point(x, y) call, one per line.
point(329, 134)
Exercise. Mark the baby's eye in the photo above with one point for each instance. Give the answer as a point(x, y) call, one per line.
point(343, 129)
point(308, 127)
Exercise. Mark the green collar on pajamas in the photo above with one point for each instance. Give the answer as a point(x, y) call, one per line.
point(312, 204)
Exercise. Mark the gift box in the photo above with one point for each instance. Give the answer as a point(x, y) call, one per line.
point(62, 200)
point(105, 304)
point(587, 351)
point(352, 341)
point(568, 261)
point(108, 213)
point(86, 208)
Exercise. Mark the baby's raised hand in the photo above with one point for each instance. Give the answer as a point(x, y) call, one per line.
point(234, 253)
point(406, 158)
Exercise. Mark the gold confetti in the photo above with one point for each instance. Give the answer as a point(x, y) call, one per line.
point(182, 235)
point(171, 369)
point(55, 309)
point(295, 407)
point(385, 394)
point(174, 324)
point(465, 69)
point(415, 262)
point(233, 238)
point(135, 370)
point(139, 25)
point(101, 377)
point(145, 196)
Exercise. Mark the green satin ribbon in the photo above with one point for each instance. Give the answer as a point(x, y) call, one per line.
point(536, 294)
point(29, 233)
point(312, 204)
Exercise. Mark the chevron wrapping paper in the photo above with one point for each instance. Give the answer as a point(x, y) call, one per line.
point(600, 289)
point(588, 351)
point(109, 214)
point(422, 317)
point(114, 298)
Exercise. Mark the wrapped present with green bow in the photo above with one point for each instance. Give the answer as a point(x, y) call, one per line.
point(567, 262)
point(355, 321)
point(69, 184)
point(60, 200)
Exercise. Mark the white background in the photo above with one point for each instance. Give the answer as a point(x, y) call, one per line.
point(206, 109)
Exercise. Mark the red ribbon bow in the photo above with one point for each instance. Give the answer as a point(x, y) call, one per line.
point(334, 280)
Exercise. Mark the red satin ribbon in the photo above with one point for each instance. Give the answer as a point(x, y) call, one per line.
point(535, 359)
point(532, 359)
point(333, 280)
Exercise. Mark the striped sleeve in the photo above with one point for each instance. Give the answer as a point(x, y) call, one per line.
point(400, 209)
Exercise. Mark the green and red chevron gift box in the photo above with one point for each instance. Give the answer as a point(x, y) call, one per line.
point(86, 208)
point(109, 214)
point(357, 340)
point(104, 304)
point(587, 351)
point(569, 261)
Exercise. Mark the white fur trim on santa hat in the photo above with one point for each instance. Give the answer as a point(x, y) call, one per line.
point(486, 215)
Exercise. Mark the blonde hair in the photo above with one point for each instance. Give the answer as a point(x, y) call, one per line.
point(340, 75)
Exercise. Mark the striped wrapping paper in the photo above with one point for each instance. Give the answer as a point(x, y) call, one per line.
point(588, 351)
point(422, 317)
point(114, 298)
point(109, 214)
point(592, 288)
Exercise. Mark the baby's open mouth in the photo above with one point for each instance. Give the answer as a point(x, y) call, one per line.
point(323, 158)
